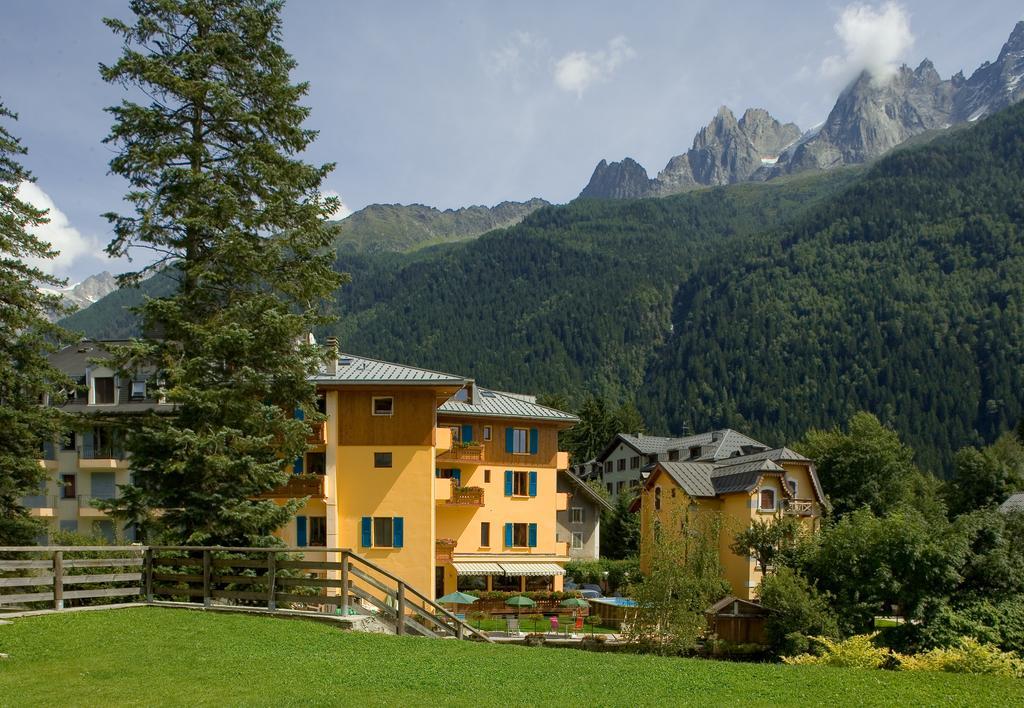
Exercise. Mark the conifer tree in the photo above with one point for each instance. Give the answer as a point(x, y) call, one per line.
point(222, 196)
point(26, 337)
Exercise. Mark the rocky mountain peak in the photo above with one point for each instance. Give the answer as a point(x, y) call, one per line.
point(618, 180)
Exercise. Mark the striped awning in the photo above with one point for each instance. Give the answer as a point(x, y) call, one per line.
point(478, 569)
point(532, 569)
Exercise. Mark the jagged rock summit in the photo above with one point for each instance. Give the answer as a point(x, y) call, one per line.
point(872, 115)
point(81, 295)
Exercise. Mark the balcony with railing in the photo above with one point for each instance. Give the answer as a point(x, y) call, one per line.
point(466, 496)
point(444, 550)
point(799, 507)
point(299, 485)
point(463, 452)
point(40, 505)
point(86, 508)
point(319, 434)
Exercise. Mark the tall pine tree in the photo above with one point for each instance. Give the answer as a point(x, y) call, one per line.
point(221, 195)
point(26, 337)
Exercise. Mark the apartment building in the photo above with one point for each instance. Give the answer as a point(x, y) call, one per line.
point(89, 463)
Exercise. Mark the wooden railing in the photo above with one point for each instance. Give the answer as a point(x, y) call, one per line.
point(466, 452)
point(799, 507)
point(214, 576)
point(466, 496)
point(298, 485)
point(319, 434)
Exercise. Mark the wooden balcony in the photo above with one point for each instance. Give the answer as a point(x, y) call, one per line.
point(799, 507)
point(319, 434)
point(468, 452)
point(444, 550)
point(466, 496)
point(298, 485)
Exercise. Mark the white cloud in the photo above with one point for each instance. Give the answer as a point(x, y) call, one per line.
point(577, 71)
point(59, 232)
point(342, 211)
point(875, 38)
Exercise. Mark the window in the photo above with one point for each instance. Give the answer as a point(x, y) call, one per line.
point(695, 452)
point(652, 459)
point(67, 486)
point(104, 389)
point(520, 441)
point(383, 532)
point(792, 486)
point(318, 530)
point(520, 535)
point(453, 473)
point(67, 441)
point(634, 483)
point(634, 462)
point(767, 500)
point(673, 494)
point(321, 404)
point(487, 476)
point(673, 455)
point(608, 466)
point(383, 405)
point(487, 433)
point(316, 463)
point(622, 464)
point(619, 486)
point(657, 498)
point(576, 515)
point(611, 488)
point(456, 434)
point(577, 540)
point(381, 459)
point(520, 484)
point(138, 390)
point(485, 534)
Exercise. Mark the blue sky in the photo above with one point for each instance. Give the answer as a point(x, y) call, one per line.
point(458, 103)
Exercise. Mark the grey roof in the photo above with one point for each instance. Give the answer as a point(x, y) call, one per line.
point(693, 477)
point(715, 444)
point(1015, 502)
point(785, 454)
point(587, 490)
point(497, 404)
point(358, 370)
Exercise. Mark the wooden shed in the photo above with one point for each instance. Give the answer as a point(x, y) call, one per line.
point(739, 621)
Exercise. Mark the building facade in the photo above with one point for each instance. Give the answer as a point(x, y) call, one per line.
point(723, 497)
point(579, 525)
point(89, 463)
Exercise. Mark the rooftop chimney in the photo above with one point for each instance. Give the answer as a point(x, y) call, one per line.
point(332, 356)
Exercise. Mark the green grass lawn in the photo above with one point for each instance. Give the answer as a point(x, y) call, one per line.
point(565, 624)
point(153, 656)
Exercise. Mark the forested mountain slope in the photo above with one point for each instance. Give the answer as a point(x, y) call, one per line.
point(903, 296)
point(771, 307)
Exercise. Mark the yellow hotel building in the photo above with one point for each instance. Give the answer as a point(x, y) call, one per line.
point(439, 481)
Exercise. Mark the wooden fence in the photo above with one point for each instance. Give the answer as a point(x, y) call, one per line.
point(332, 581)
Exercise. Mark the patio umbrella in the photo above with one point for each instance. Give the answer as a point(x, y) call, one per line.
point(457, 598)
point(520, 601)
point(575, 602)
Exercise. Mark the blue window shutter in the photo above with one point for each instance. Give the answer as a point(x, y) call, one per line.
point(508, 483)
point(532, 533)
point(300, 531)
point(367, 532)
point(467, 433)
point(534, 441)
point(457, 476)
point(508, 535)
point(533, 483)
point(397, 531)
point(509, 439)
point(300, 414)
point(298, 466)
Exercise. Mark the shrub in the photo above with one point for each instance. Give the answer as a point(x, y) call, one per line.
point(799, 611)
point(969, 657)
point(859, 652)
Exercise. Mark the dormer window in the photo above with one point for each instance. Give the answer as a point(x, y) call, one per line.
point(673, 455)
point(103, 390)
point(138, 390)
point(695, 452)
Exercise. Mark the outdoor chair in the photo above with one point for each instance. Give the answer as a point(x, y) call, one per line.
point(578, 627)
point(513, 627)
